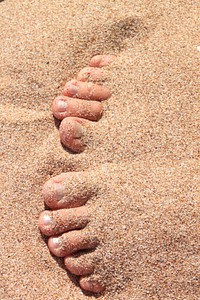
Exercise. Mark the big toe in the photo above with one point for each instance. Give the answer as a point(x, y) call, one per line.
point(69, 190)
point(75, 133)
point(72, 134)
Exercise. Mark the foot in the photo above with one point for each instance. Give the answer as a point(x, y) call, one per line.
point(80, 105)
point(66, 224)
point(121, 225)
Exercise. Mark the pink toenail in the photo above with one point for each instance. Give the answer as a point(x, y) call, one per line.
point(72, 88)
point(55, 243)
point(62, 106)
point(47, 220)
point(79, 130)
point(59, 190)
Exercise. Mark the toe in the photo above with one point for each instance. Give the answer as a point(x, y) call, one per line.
point(102, 60)
point(69, 190)
point(91, 285)
point(85, 90)
point(72, 132)
point(79, 265)
point(90, 74)
point(71, 242)
point(63, 220)
point(67, 107)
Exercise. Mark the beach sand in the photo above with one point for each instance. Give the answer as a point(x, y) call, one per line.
point(143, 152)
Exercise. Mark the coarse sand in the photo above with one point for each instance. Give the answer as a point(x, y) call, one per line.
point(143, 153)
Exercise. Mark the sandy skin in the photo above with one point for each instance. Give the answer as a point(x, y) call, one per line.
point(81, 103)
point(68, 225)
point(78, 107)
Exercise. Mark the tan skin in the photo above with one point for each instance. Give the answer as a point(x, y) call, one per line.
point(80, 104)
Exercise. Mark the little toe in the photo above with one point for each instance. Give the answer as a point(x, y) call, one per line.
point(91, 285)
point(86, 90)
point(102, 60)
point(69, 107)
point(63, 220)
point(79, 265)
point(71, 242)
point(69, 190)
point(90, 74)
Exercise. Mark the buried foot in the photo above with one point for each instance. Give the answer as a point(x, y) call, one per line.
point(80, 105)
point(66, 224)
point(122, 226)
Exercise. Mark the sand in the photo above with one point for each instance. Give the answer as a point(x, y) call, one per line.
point(143, 153)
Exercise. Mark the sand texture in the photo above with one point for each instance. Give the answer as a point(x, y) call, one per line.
point(143, 155)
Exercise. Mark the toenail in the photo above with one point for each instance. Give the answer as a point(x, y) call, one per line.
point(47, 220)
point(59, 189)
point(62, 106)
point(56, 242)
point(78, 129)
point(72, 88)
